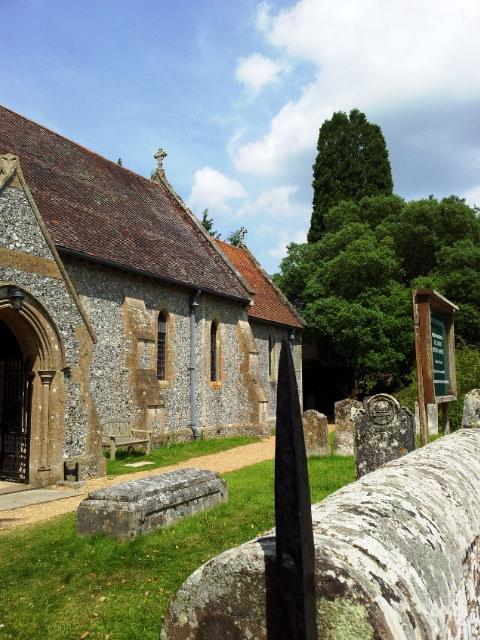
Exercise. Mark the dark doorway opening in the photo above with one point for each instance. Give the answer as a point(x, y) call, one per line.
point(15, 408)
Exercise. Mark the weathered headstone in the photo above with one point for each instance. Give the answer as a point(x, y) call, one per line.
point(315, 432)
point(383, 433)
point(471, 409)
point(346, 412)
point(432, 419)
point(129, 509)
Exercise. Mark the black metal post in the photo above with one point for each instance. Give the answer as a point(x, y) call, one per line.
point(295, 550)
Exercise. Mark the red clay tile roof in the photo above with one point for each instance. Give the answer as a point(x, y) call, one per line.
point(269, 303)
point(100, 210)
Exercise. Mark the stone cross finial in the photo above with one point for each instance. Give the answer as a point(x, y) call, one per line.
point(159, 174)
point(160, 157)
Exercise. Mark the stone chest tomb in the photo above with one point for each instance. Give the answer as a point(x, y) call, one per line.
point(132, 508)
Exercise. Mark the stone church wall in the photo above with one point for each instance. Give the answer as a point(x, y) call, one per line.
point(124, 310)
point(262, 331)
point(27, 262)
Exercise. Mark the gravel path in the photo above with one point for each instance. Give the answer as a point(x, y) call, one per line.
point(221, 462)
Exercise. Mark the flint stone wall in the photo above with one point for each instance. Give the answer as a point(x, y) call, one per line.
point(140, 506)
point(384, 432)
point(222, 407)
point(397, 558)
point(20, 234)
point(261, 332)
point(471, 409)
point(315, 432)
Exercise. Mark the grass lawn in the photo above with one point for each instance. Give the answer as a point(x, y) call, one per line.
point(173, 453)
point(57, 586)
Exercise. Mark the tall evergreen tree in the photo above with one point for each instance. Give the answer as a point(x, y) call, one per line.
point(352, 162)
point(207, 224)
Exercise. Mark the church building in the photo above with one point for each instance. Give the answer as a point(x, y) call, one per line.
point(116, 306)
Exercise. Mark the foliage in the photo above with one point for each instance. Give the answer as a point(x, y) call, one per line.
point(237, 237)
point(56, 585)
point(353, 286)
point(352, 162)
point(175, 452)
point(468, 378)
point(207, 224)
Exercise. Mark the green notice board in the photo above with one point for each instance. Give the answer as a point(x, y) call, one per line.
point(441, 366)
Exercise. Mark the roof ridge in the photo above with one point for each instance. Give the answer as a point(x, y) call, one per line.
point(77, 144)
point(246, 253)
point(211, 241)
point(272, 283)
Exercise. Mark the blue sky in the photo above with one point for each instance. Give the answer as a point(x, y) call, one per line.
point(236, 92)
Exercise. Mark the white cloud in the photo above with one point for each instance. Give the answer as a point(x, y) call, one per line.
point(256, 71)
point(472, 196)
point(373, 54)
point(285, 237)
point(276, 202)
point(212, 189)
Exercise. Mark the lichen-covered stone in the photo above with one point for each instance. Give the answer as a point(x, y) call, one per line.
point(397, 558)
point(347, 410)
point(132, 508)
point(471, 410)
point(344, 439)
point(383, 432)
point(315, 431)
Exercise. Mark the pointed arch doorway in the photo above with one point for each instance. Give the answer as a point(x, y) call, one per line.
point(15, 408)
point(32, 392)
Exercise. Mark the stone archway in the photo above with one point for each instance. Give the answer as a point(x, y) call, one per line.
point(40, 351)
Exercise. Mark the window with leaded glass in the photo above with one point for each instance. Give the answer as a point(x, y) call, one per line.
point(213, 352)
point(162, 346)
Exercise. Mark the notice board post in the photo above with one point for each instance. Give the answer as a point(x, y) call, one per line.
point(435, 354)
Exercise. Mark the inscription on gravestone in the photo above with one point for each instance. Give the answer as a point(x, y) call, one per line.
point(384, 432)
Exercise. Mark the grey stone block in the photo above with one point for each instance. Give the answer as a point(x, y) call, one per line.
point(132, 508)
point(396, 557)
point(432, 419)
point(471, 409)
point(315, 431)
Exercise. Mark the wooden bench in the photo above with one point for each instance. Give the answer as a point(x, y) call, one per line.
point(120, 433)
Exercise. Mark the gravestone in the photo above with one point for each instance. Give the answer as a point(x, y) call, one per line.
point(471, 409)
point(346, 412)
point(432, 419)
point(315, 432)
point(383, 433)
point(129, 509)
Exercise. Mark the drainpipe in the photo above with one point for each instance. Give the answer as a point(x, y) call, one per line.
point(193, 364)
point(291, 338)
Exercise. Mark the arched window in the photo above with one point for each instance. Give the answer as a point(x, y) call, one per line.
point(271, 355)
point(162, 346)
point(214, 351)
